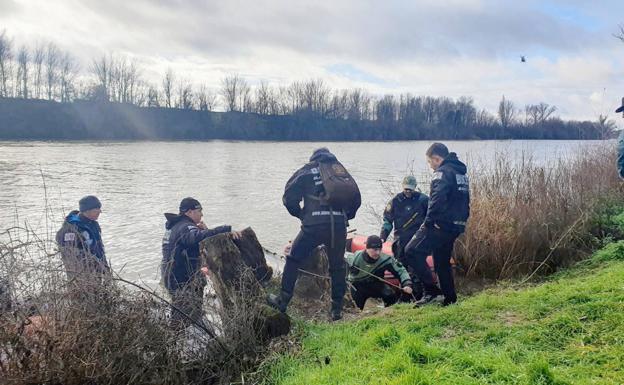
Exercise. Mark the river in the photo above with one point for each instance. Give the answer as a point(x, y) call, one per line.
point(238, 183)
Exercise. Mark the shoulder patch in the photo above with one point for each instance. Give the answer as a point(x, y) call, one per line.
point(69, 237)
point(437, 175)
point(389, 206)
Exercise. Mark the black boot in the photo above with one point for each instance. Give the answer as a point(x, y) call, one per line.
point(336, 310)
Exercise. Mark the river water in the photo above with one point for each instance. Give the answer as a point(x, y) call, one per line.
point(238, 183)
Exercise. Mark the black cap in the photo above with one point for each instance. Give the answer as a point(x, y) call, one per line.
point(89, 202)
point(189, 204)
point(621, 108)
point(373, 242)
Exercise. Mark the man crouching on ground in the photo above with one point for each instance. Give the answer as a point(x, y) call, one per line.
point(180, 267)
point(366, 274)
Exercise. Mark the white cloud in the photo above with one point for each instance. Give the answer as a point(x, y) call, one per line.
point(450, 48)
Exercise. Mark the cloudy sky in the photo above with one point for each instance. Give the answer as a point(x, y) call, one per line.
point(450, 48)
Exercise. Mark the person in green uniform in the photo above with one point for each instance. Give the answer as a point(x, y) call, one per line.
point(366, 274)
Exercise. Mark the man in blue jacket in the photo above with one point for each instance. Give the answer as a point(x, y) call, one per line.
point(180, 267)
point(447, 214)
point(80, 243)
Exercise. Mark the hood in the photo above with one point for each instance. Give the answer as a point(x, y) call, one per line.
point(172, 219)
point(452, 161)
point(322, 155)
point(73, 216)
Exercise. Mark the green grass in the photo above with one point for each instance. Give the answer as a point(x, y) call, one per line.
point(568, 330)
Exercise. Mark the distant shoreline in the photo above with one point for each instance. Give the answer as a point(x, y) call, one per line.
point(43, 120)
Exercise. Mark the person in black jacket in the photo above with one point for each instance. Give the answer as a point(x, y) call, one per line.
point(405, 213)
point(180, 268)
point(447, 214)
point(320, 224)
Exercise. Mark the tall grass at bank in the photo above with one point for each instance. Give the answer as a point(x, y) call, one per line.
point(527, 217)
point(568, 330)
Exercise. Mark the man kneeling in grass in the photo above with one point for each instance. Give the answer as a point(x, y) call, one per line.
point(366, 274)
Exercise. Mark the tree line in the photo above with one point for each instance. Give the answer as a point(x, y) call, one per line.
point(45, 71)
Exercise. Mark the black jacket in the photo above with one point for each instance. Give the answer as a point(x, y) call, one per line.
point(449, 204)
point(305, 184)
point(180, 249)
point(405, 214)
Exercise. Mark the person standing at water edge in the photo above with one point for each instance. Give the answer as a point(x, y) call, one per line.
point(447, 214)
point(80, 241)
point(620, 159)
point(405, 213)
point(180, 267)
point(366, 274)
point(330, 198)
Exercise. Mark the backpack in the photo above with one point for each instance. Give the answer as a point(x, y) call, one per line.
point(340, 187)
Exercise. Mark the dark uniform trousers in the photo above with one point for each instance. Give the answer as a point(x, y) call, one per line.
point(309, 238)
point(439, 243)
point(187, 303)
point(361, 291)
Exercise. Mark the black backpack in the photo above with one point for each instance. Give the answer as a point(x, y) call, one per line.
point(340, 187)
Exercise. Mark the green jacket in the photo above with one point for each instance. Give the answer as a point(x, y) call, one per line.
point(361, 266)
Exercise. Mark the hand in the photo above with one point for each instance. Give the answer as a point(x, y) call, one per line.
point(407, 289)
point(287, 248)
point(202, 226)
point(236, 235)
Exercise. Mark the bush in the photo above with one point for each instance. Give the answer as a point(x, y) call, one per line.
point(525, 216)
point(100, 331)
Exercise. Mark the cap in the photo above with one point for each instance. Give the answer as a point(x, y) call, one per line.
point(89, 202)
point(373, 242)
point(409, 182)
point(189, 204)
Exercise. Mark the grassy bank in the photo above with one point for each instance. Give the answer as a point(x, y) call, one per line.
point(568, 330)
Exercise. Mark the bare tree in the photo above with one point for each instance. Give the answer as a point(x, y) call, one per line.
point(152, 97)
point(21, 78)
point(68, 71)
point(185, 95)
point(605, 126)
point(51, 68)
point(315, 96)
point(101, 68)
point(37, 60)
point(235, 93)
point(6, 55)
point(206, 98)
point(506, 113)
point(263, 98)
point(538, 113)
point(168, 87)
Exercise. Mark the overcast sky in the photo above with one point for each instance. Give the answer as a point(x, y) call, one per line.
point(427, 47)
